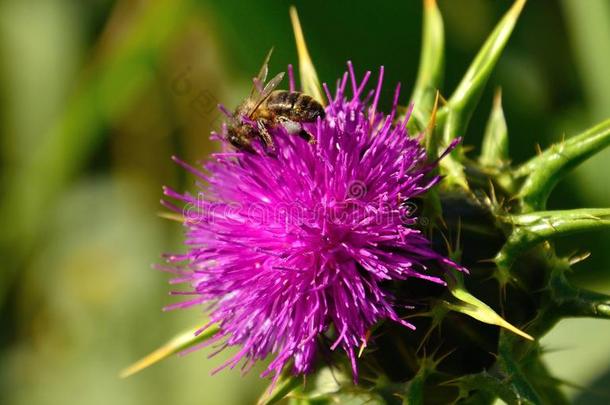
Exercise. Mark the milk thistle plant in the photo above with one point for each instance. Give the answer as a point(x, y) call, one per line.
point(379, 263)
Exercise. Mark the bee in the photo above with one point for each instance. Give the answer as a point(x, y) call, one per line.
point(266, 108)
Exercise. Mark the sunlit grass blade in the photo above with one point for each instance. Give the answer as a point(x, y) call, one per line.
point(309, 78)
point(431, 63)
point(547, 169)
point(176, 345)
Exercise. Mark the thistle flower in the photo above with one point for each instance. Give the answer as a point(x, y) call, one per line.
point(296, 247)
point(308, 248)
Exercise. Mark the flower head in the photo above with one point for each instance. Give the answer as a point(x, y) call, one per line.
point(295, 247)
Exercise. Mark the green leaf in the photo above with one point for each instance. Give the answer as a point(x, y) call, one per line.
point(431, 63)
point(536, 227)
point(177, 344)
point(494, 151)
point(545, 170)
point(309, 77)
point(466, 96)
point(460, 106)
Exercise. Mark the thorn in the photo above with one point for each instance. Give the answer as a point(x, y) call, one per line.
point(550, 223)
point(577, 258)
point(458, 237)
point(447, 241)
point(492, 192)
point(444, 356)
point(502, 296)
point(468, 148)
point(443, 100)
point(442, 222)
point(426, 337)
point(432, 121)
point(498, 98)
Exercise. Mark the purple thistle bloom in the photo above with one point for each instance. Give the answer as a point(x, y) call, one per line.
point(289, 247)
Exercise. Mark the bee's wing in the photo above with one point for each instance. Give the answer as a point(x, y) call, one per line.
point(269, 87)
point(259, 80)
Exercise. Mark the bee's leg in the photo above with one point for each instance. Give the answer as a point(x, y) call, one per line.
point(239, 144)
point(264, 135)
point(307, 136)
point(296, 128)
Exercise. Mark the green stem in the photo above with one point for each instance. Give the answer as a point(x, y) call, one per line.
point(531, 229)
point(518, 381)
point(547, 169)
point(575, 302)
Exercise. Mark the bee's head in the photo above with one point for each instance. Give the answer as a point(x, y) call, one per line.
point(239, 136)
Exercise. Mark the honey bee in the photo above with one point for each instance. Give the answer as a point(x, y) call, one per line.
point(266, 108)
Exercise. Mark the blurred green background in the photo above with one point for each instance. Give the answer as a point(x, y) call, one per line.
point(95, 96)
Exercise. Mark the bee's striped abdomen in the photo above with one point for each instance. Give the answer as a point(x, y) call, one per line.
point(295, 106)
